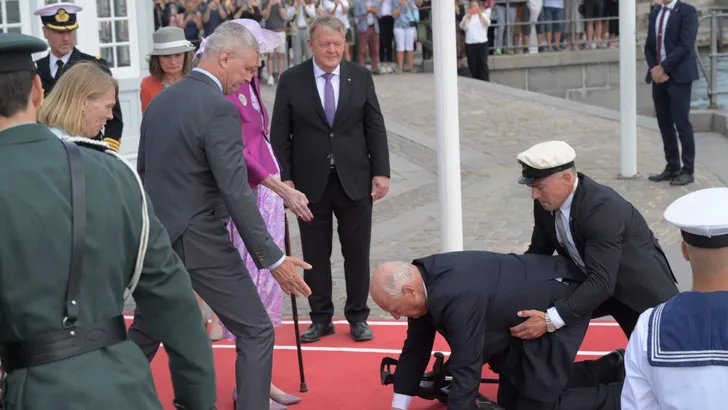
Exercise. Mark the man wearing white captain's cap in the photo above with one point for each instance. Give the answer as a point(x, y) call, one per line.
point(625, 270)
point(677, 358)
point(59, 28)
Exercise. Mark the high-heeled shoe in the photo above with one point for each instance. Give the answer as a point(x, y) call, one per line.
point(215, 332)
point(277, 406)
point(285, 399)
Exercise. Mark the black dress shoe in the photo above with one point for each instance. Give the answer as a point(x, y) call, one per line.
point(666, 175)
point(617, 358)
point(682, 179)
point(316, 331)
point(360, 332)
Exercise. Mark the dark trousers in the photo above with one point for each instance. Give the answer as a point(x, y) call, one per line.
point(622, 314)
point(592, 386)
point(354, 219)
point(386, 39)
point(231, 294)
point(477, 55)
point(369, 45)
point(672, 107)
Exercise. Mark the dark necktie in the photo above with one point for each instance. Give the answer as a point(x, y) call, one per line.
point(59, 68)
point(665, 10)
point(329, 100)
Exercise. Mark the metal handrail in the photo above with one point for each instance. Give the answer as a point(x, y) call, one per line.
point(712, 79)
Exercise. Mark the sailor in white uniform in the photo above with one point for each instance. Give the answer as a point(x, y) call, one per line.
point(677, 357)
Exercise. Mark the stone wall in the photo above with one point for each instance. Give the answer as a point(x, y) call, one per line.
point(590, 76)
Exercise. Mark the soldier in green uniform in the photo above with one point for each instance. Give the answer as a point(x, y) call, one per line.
point(63, 340)
point(59, 28)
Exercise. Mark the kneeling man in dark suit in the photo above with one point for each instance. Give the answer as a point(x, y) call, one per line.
point(623, 268)
point(473, 298)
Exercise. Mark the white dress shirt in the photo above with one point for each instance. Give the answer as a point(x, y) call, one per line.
point(565, 215)
point(219, 84)
point(669, 6)
point(669, 388)
point(54, 62)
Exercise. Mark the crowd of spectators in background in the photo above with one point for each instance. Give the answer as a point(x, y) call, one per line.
point(385, 35)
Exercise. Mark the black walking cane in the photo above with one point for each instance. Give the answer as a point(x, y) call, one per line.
point(303, 387)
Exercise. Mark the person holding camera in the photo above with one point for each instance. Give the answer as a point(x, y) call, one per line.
point(475, 25)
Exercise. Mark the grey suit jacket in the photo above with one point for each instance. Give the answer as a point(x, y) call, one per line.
point(191, 162)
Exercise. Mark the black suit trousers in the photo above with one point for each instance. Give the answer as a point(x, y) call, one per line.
point(672, 108)
point(593, 385)
point(624, 315)
point(354, 219)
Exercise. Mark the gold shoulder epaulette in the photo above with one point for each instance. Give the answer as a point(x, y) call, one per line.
point(113, 144)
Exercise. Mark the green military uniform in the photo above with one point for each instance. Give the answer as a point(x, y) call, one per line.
point(62, 17)
point(36, 231)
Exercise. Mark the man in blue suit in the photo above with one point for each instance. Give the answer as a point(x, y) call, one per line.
point(670, 55)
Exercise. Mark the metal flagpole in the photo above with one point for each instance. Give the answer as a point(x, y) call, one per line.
point(628, 87)
point(448, 125)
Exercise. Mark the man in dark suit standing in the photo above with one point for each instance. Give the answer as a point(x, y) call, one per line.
point(625, 270)
point(195, 174)
point(59, 28)
point(673, 66)
point(472, 299)
point(328, 134)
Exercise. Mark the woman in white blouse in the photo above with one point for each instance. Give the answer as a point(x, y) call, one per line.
point(475, 25)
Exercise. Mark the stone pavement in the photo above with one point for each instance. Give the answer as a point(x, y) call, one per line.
point(496, 123)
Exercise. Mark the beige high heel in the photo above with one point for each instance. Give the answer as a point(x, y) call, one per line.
point(215, 332)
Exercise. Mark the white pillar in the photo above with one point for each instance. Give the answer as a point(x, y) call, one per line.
point(448, 125)
point(628, 87)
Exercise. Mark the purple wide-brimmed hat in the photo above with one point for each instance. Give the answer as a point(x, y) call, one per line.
point(267, 40)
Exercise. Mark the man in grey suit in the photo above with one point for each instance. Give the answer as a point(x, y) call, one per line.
point(191, 162)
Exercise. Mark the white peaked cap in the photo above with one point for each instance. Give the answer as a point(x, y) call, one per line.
point(702, 216)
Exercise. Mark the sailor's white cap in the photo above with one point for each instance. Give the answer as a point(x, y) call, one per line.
point(702, 216)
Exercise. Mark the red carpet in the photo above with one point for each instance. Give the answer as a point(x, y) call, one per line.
point(342, 374)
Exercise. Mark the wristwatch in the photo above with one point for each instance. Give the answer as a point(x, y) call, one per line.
point(549, 324)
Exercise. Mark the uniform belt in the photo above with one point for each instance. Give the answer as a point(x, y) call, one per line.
point(64, 344)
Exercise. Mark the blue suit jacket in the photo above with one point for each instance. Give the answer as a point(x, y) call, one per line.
point(681, 32)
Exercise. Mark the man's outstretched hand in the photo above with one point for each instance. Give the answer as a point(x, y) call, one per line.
point(289, 279)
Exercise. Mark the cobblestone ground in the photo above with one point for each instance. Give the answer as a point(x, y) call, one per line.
point(497, 212)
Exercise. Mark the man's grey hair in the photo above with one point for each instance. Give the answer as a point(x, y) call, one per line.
point(397, 274)
point(328, 23)
point(231, 37)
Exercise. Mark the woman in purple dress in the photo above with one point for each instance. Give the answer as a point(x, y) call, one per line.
point(272, 194)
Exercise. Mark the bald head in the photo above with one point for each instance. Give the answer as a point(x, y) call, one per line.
point(397, 288)
point(391, 276)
